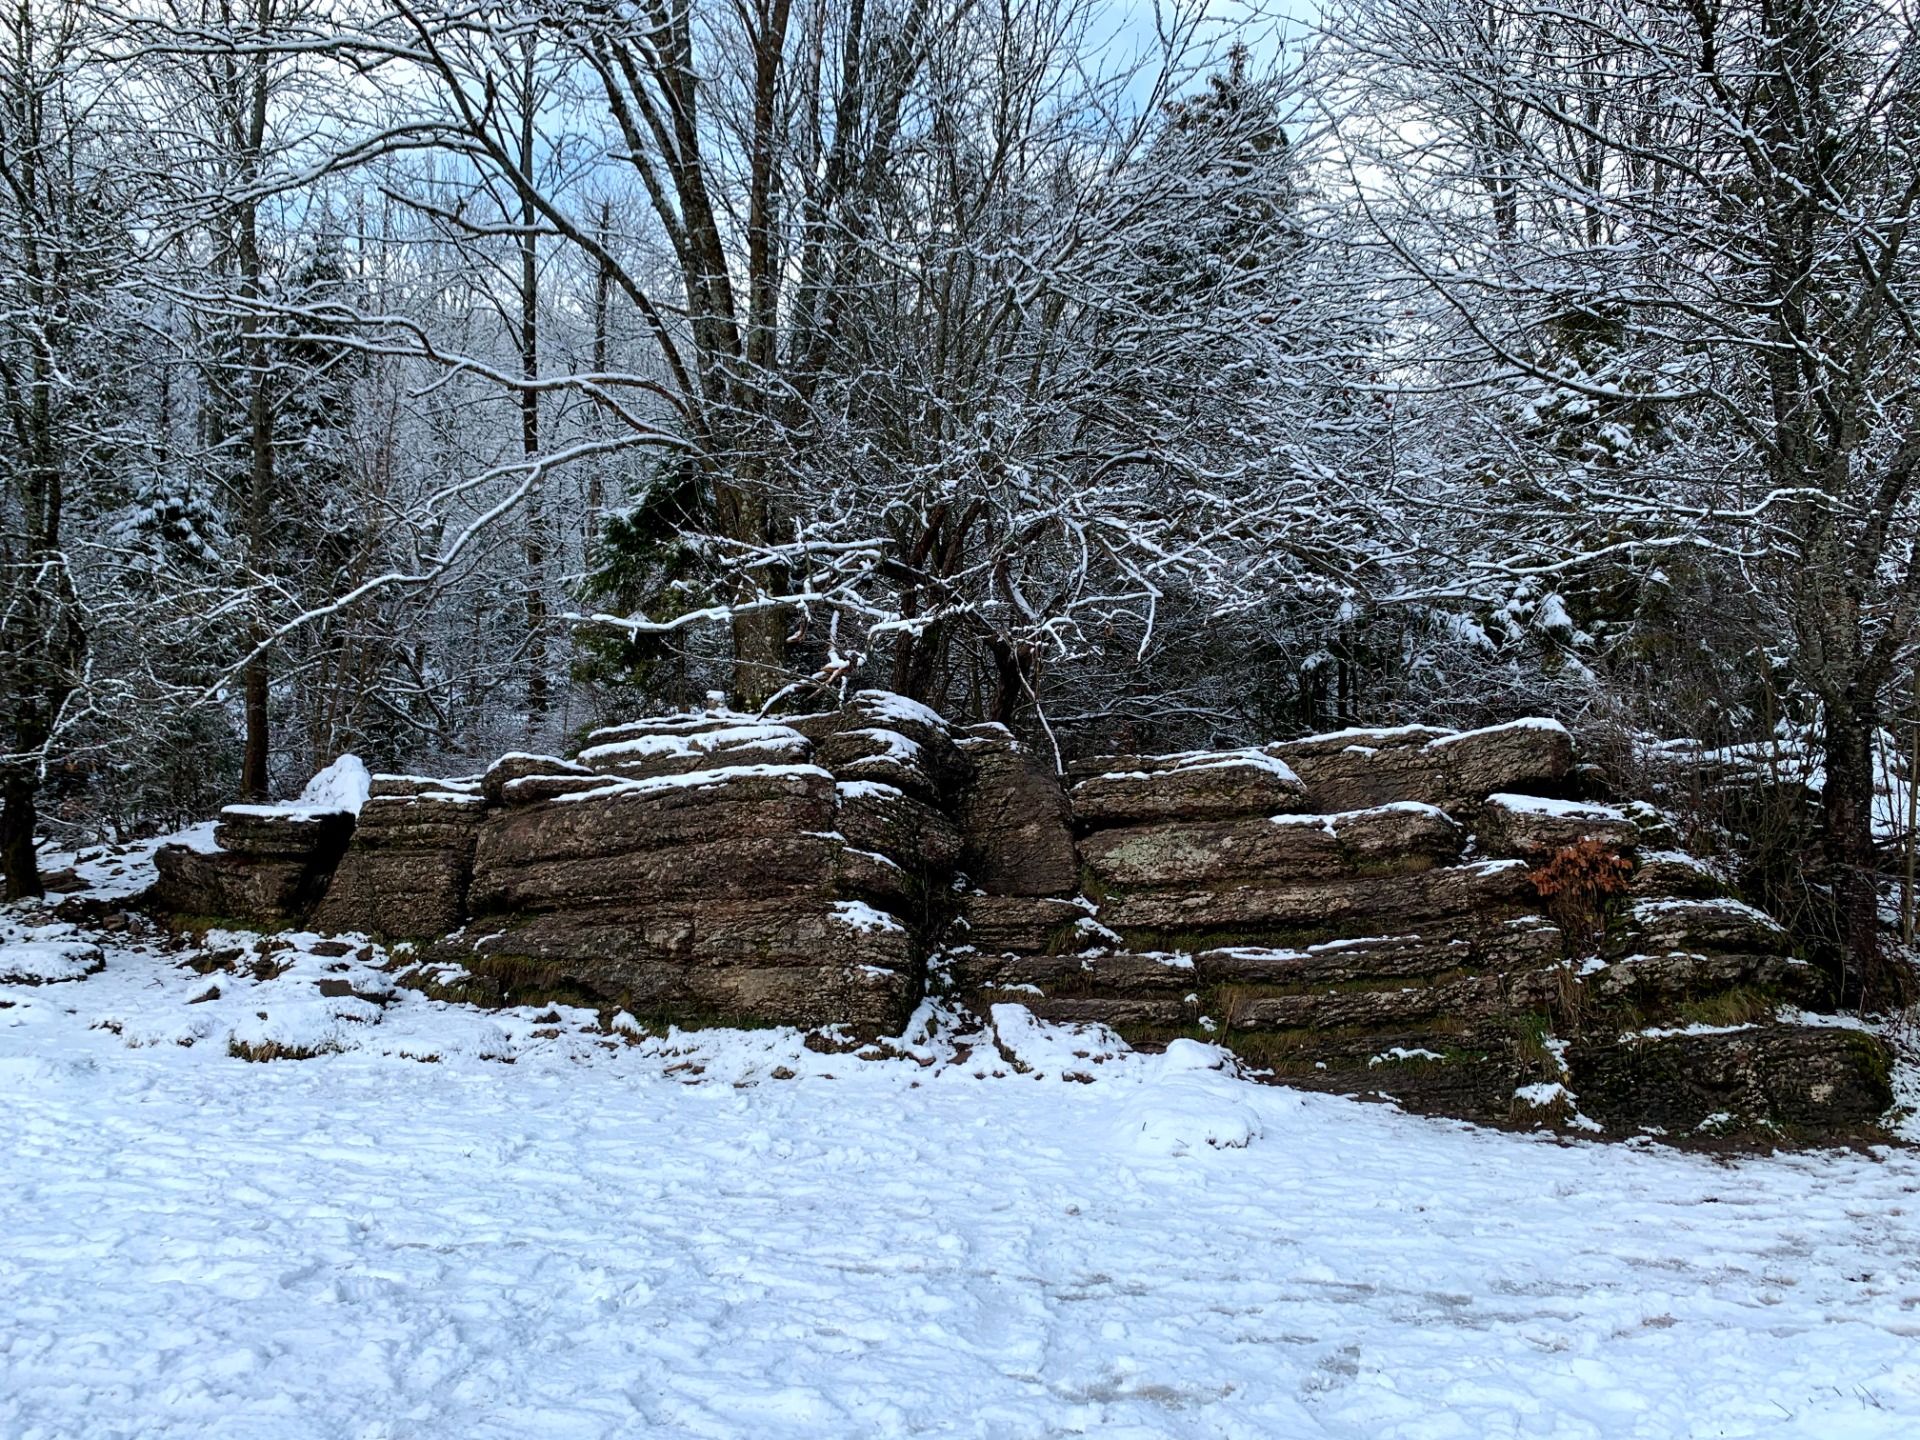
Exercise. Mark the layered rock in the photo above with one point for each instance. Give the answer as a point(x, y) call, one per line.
point(1352, 769)
point(651, 749)
point(407, 871)
point(1533, 826)
point(1152, 789)
point(1016, 823)
point(1385, 933)
point(268, 865)
point(1434, 917)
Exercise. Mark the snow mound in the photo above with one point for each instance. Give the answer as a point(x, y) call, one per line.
point(1190, 1101)
point(340, 789)
point(47, 962)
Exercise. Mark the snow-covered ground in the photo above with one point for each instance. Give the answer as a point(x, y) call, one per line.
point(466, 1224)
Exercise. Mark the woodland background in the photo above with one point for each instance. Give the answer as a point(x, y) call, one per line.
point(431, 380)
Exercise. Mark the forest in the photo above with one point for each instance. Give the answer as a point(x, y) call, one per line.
point(423, 379)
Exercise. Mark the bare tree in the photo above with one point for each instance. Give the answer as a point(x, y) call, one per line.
point(1678, 240)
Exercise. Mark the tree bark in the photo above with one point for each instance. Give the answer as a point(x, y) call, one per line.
point(1013, 665)
point(253, 759)
point(18, 819)
point(535, 547)
point(254, 92)
point(759, 656)
point(1847, 844)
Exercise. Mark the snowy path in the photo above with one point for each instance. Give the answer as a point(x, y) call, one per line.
point(588, 1242)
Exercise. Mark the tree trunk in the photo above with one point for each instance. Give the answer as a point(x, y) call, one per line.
point(1013, 666)
point(253, 759)
point(18, 818)
point(1847, 842)
point(759, 634)
point(759, 656)
point(535, 547)
point(260, 421)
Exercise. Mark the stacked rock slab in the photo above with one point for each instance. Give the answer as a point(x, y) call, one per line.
point(407, 870)
point(710, 867)
point(1019, 878)
point(269, 865)
point(1385, 912)
point(1363, 912)
point(717, 867)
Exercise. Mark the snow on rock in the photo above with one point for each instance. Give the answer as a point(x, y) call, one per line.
point(46, 962)
point(341, 788)
point(1067, 1052)
point(197, 838)
point(858, 915)
point(1515, 824)
point(121, 871)
point(1562, 809)
point(891, 709)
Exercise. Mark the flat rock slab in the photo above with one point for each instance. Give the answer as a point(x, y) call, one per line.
point(223, 885)
point(646, 756)
point(905, 829)
point(708, 833)
point(1020, 924)
point(1351, 769)
point(1659, 926)
point(283, 832)
point(1144, 789)
point(1275, 850)
point(761, 960)
point(1533, 826)
point(519, 764)
point(1490, 889)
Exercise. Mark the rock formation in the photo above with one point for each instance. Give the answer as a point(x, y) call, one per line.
point(1428, 915)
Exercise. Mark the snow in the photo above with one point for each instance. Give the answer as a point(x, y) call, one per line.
point(1035, 1048)
point(858, 915)
point(1532, 722)
point(286, 810)
point(340, 789)
point(895, 748)
point(705, 742)
point(1679, 859)
point(43, 959)
point(1400, 1054)
point(118, 872)
point(1368, 737)
point(1546, 805)
point(1722, 907)
point(461, 1223)
point(885, 705)
point(1331, 820)
point(685, 722)
point(867, 790)
point(1185, 762)
point(623, 786)
point(196, 837)
point(463, 784)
